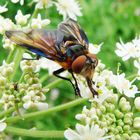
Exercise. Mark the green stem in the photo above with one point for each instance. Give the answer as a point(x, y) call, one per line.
point(35, 13)
point(10, 110)
point(22, 77)
point(46, 112)
point(17, 60)
point(136, 114)
point(34, 133)
point(43, 78)
point(131, 77)
point(11, 55)
point(51, 85)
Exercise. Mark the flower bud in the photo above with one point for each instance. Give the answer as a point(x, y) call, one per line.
point(118, 114)
point(118, 137)
point(126, 128)
point(2, 80)
point(127, 121)
point(137, 103)
point(122, 102)
point(98, 111)
point(120, 122)
point(136, 123)
point(119, 129)
point(135, 136)
point(102, 108)
point(110, 107)
point(112, 98)
point(8, 71)
point(124, 105)
point(126, 136)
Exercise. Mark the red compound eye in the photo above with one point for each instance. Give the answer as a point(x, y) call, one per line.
point(79, 63)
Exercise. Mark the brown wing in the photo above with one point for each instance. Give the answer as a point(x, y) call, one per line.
point(71, 28)
point(41, 42)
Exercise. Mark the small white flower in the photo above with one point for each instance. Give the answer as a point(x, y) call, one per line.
point(6, 24)
point(54, 94)
point(43, 3)
point(41, 106)
point(137, 65)
point(48, 64)
point(16, 1)
point(6, 69)
point(84, 89)
point(69, 8)
point(127, 50)
point(94, 48)
point(100, 66)
point(131, 91)
point(105, 93)
point(3, 9)
point(87, 115)
point(39, 23)
point(85, 133)
point(7, 101)
point(123, 85)
point(20, 18)
point(26, 65)
point(3, 125)
point(38, 105)
point(7, 44)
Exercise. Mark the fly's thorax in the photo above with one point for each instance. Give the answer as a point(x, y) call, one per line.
point(85, 65)
point(74, 51)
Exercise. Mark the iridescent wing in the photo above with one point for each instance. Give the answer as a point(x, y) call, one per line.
point(41, 42)
point(71, 28)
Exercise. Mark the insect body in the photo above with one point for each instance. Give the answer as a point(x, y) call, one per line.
point(67, 45)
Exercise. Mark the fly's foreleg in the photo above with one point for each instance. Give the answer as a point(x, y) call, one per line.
point(57, 72)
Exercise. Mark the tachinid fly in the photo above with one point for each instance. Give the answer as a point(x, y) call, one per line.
point(67, 45)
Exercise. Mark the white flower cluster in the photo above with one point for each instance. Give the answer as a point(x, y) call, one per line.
point(114, 119)
point(130, 50)
point(111, 112)
point(6, 89)
point(105, 82)
point(31, 93)
point(6, 24)
point(33, 90)
point(65, 8)
point(92, 132)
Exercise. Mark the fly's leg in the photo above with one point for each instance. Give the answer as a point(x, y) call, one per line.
point(57, 72)
point(90, 83)
point(37, 58)
point(76, 85)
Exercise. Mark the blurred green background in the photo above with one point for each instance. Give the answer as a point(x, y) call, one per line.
point(103, 21)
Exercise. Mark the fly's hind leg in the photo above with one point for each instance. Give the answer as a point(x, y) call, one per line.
point(57, 72)
point(76, 84)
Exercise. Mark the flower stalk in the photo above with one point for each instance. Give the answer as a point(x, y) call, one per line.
point(38, 114)
point(34, 133)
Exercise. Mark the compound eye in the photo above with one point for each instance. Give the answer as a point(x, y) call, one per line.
point(93, 58)
point(79, 63)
